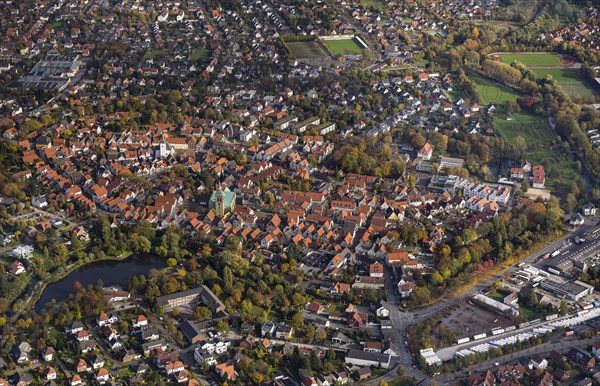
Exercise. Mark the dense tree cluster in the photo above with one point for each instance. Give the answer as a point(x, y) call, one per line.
point(369, 155)
point(494, 241)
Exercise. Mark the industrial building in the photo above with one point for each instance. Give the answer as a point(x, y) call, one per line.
point(53, 72)
point(365, 358)
point(573, 290)
point(495, 306)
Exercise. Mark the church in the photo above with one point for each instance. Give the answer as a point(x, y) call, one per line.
point(222, 201)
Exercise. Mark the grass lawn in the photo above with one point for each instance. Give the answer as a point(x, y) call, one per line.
point(378, 372)
point(560, 170)
point(305, 50)
point(343, 46)
point(493, 93)
point(156, 54)
point(498, 295)
point(199, 53)
point(130, 313)
point(336, 308)
point(402, 381)
point(582, 89)
point(528, 313)
point(256, 311)
point(535, 129)
point(372, 3)
point(571, 81)
point(126, 372)
point(561, 75)
point(533, 59)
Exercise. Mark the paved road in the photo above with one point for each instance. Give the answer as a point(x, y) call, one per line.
point(44, 214)
point(558, 343)
point(400, 321)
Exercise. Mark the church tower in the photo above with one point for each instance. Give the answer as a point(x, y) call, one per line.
point(163, 149)
point(220, 201)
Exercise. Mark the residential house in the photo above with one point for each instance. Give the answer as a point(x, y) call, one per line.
point(581, 358)
point(48, 354)
point(21, 352)
point(267, 329)
point(102, 376)
point(284, 331)
point(539, 362)
point(425, 152)
point(226, 371)
point(357, 319)
point(376, 270)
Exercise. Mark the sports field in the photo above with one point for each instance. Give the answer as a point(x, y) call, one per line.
point(347, 46)
point(305, 50)
point(571, 81)
point(533, 59)
point(492, 93)
point(581, 89)
point(561, 75)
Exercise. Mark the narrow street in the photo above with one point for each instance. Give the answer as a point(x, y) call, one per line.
point(400, 321)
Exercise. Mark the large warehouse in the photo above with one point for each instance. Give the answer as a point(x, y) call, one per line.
point(365, 358)
point(574, 290)
point(495, 306)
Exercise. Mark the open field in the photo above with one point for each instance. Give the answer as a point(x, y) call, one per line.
point(533, 60)
point(305, 50)
point(534, 193)
point(561, 75)
point(372, 3)
point(156, 54)
point(402, 381)
point(571, 81)
point(560, 170)
point(493, 93)
point(199, 53)
point(581, 89)
point(535, 129)
point(343, 46)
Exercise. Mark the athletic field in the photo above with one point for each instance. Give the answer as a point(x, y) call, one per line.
point(305, 50)
point(347, 46)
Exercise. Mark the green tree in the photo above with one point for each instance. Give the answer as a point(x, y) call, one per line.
point(227, 279)
point(309, 333)
point(202, 313)
point(223, 326)
point(564, 308)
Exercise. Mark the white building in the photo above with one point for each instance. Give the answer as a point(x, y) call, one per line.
point(365, 358)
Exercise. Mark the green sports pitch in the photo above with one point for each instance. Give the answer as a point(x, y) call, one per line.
point(533, 59)
point(305, 50)
point(344, 46)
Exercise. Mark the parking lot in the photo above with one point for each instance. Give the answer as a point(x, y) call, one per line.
point(469, 320)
